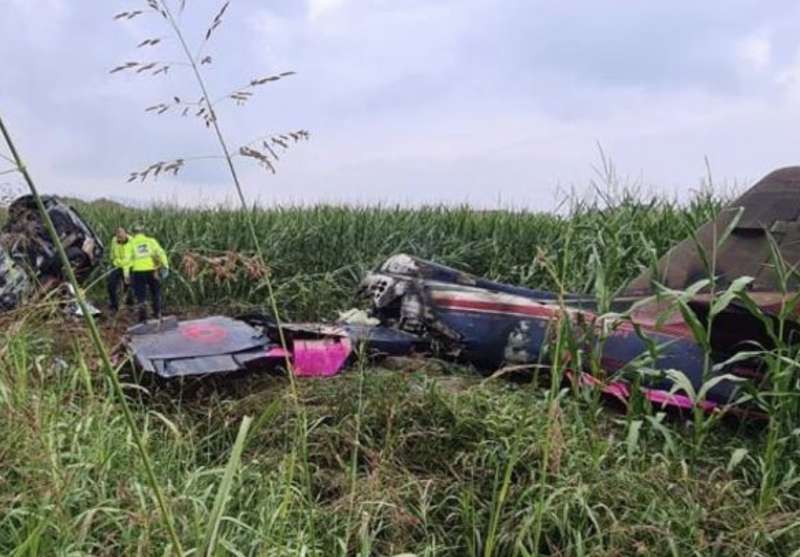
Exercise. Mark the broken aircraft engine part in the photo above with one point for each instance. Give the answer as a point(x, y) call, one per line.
point(15, 283)
point(28, 257)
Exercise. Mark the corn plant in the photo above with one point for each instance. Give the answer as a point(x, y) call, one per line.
point(262, 150)
point(99, 345)
point(206, 108)
point(779, 398)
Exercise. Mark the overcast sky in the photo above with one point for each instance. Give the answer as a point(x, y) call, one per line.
point(492, 103)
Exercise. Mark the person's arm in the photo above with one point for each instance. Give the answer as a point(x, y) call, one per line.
point(127, 260)
point(159, 255)
point(117, 255)
point(164, 258)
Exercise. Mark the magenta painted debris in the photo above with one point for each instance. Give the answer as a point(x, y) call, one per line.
point(320, 358)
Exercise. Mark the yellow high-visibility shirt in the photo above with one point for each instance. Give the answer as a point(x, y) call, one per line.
point(118, 253)
point(144, 253)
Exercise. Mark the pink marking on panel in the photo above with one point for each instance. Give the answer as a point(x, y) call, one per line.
point(621, 391)
point(277, 353)
point(320, 358)
point(679, 401)
point(204, 333)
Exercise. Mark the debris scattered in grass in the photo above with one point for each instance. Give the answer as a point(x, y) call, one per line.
point(446, 463)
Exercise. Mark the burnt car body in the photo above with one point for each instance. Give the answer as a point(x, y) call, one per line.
point(421, 307)
point(28, 257)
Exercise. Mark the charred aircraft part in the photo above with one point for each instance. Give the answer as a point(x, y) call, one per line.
point(28, 257)
point(491, 324)
point(491, 329)
point(374, 341)
point(219, 345)
point(428, 308)
point(170, 348)
point(15, 284)
point(323, 350)
point(412, 267)
point(25, 236)
point(770, 207)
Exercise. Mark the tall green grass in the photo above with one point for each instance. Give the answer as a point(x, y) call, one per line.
point(399, 462)
point(317, 254)
point(421, 459)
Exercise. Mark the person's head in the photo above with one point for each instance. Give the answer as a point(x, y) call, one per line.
point(122, 235)
point(138, 228)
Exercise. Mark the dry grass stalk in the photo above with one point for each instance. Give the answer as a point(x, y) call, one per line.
point(205, 107)
point(223, 267)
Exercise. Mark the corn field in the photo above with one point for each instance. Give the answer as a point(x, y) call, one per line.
point(318, 254)
point(411, 458)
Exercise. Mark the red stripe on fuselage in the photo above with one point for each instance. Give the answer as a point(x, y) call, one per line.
point(533, 310)
point(541, 310)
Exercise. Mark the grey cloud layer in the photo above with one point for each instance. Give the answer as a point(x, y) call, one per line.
point(416, 101)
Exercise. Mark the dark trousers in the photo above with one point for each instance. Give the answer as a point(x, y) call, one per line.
point(142, 282)
point(116, 279)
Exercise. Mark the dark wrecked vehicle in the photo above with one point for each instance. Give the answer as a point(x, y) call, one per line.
point(28, 258)
point(649, 344)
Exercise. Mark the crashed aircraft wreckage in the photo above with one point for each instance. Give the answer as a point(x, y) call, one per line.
point(420, 307)
point(28, 258)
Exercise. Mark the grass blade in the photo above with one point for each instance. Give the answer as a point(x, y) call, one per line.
point(212, 533)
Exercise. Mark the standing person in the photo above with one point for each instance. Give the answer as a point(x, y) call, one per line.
point(116, 277)
point(145, 263)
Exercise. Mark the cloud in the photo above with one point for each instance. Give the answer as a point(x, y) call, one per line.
point(755, 52)
point(45, 22)
point(788, 78)
point(414, 101)
point(319, 8)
